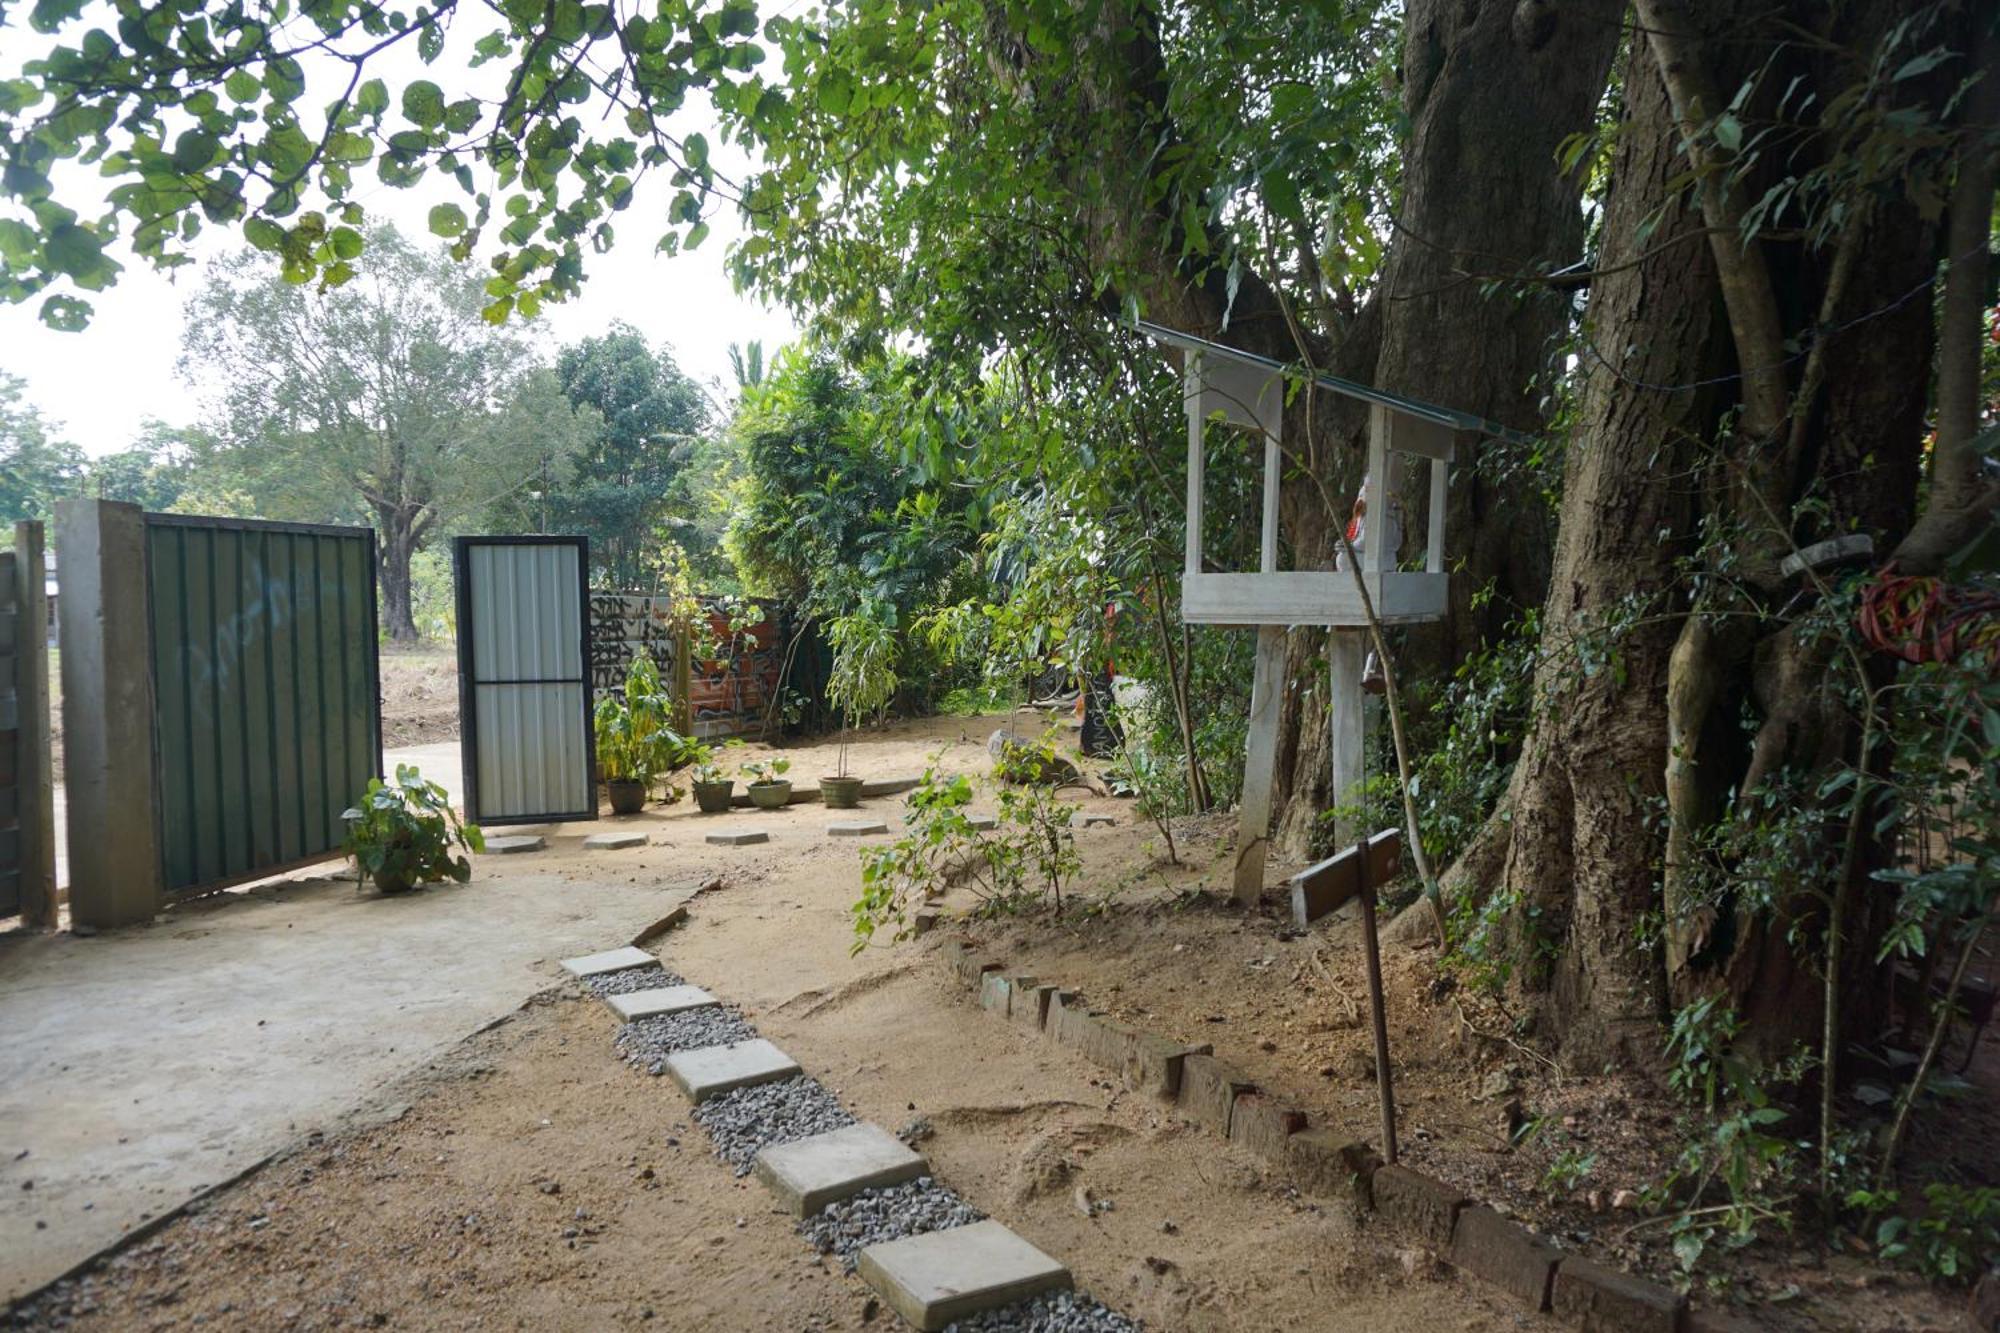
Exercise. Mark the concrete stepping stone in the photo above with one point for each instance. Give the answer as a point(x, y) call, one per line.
point(982, 823)
point(1098, 821)
point(611, 960)
point(738, 837)
point(612, 842)
point(660, 1000)
point(856, 828)
point(507, 843)
point(808, 1174)
point(941, 1276)
point(710, 1071)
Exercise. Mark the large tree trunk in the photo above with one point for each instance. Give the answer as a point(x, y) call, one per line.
point(399, 539)
point(1491, 92)
point(1640, 698)
point(1580, 868)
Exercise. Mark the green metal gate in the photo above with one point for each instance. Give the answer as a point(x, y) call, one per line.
point(266, 687)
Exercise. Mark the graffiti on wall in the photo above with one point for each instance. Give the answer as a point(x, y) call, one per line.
point(733, 678)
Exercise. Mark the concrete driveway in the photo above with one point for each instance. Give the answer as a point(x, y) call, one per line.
point(141, 1066)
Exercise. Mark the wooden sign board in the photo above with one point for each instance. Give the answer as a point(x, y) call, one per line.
point(1322, 889)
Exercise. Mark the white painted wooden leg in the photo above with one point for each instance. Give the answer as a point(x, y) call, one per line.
point(1260, 764)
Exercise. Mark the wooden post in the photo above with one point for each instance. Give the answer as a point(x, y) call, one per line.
point(1377, 1007)
point(1253, 827)
point(34, 783)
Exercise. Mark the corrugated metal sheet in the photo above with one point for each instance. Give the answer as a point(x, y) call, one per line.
point(266, 694)
point(524, 679)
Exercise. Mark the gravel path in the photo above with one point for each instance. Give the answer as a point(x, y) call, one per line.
point(743, 1121)
point(1055, 1312)
point(646, 1043)
point(889, 1213)
point(630, 980)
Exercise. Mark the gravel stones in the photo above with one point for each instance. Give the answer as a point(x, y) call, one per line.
point(631, 981)
point(745, 1120)
point(889, 1213)
point(648, 1042)
point(1051, 1312)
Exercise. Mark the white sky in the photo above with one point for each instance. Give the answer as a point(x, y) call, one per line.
point(99, 385)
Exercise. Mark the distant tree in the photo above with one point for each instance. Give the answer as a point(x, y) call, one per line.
point(387, 399)
point(625, 483)
point(36, 466)
point(153, 472)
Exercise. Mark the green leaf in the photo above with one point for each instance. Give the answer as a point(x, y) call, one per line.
point(447, 220)
point(372, 98)
point(1729, 132)
point(423, 104)
point(242, 86)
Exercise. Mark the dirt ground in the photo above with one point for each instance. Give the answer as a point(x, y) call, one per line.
point(444, 1218)
point(419, 694)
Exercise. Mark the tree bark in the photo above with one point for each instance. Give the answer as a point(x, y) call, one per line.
point(1581, 859)
point(399, 540)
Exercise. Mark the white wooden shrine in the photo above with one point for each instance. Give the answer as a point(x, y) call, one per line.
point(1242, 390)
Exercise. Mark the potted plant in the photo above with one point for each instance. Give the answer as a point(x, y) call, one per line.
point(861, 685)
point(635, 742)
point(404, 833)
point(769, 788)
point(713, 789)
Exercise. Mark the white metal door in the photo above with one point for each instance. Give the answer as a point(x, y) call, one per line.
point(524, 679)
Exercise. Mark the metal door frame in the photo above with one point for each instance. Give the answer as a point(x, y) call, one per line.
point(468, 681)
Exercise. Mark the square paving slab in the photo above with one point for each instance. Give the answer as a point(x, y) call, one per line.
point(856, 828)
point(515, 842)
point(663, 1000)
point(809, 1174)
point(935, 1278)
point(738, 837)
point(611, 842)
point(713, 1070)
point(982, 823)
point(611, 960)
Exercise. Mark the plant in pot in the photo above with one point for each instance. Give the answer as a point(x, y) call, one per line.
point(713, 789)
point(769, 788)
point(405, 833)
point(635, 741)
point(861, 685)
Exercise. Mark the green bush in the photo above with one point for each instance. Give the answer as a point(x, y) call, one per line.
point(405, 833)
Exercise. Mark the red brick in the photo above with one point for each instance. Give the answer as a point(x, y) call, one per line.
point(1327, 1166)
point(1264, 1125)
point(1511, 1257)
point(1208, 1091)
point(1424, 1208)
point(1603, 1300)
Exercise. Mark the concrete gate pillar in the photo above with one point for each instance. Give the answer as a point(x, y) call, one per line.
point(110, 775)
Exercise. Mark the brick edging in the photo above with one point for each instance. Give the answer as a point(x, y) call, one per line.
point(1472, 1237)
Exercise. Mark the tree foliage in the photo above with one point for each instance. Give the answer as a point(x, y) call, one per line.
point(387, 400)
point(628, 476)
